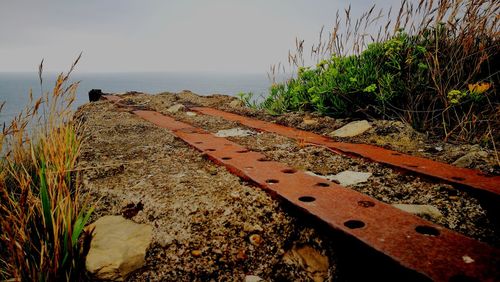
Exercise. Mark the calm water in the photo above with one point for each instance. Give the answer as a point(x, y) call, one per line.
point(14, 87)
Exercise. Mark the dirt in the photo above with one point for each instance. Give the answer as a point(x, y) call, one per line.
point(210, 225)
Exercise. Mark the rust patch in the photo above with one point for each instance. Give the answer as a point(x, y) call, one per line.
point(112, 98)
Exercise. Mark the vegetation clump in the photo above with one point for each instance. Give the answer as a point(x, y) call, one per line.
point(435, 69)
point(41, 215)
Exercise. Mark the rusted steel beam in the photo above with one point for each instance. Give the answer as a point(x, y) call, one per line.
point(463, 176)
point(416, 244)
point(413, 242)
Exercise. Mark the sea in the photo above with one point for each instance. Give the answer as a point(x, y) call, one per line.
point(15, 87)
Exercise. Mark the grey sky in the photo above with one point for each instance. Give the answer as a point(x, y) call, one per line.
point(184, 35)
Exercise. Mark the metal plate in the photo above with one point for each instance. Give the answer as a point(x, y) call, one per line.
point(463, 176)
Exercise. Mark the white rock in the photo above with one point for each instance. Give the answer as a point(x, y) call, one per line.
point(118, 247)
point(467, 259)
point(253, 278)
point(420, 210)
point(352, 129)
point(191, 114)
point(346, 178)
point(175, 108)
point(234, 132)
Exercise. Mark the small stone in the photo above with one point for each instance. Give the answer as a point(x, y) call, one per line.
point(253, 278)
point(247, 227)
point(196, 253)
point(255, 239)
point(212, 170)
point(241, 255)
point(176, 108)
point(235, 195)
point(467, 259)
point(420, 210)
point(482, 154)
point(234, 132)
point(470, 158)
point(309, 121)
point(237, 103)
point(118, 247)
point(166, 241)
point(311, 260)
point(438, 148)
point(227, 212)
point(346, 178)
point(258, 228)
point(352, 129)
point(191, 114)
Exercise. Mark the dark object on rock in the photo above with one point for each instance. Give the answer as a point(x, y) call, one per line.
point(95, 95)
point(131, 210)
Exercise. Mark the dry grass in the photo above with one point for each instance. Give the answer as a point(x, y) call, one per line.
point(466, 20)
point(453, 96)
point(41, 218)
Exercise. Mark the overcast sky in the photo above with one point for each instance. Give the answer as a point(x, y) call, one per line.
point(161, 35)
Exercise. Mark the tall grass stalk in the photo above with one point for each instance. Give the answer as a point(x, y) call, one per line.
point(41, 215)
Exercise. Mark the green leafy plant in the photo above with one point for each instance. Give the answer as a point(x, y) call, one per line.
point(248, 99)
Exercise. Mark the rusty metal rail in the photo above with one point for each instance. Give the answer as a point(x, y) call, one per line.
point(416, 244)
point(463, 176)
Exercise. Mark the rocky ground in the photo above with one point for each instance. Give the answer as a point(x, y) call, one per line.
point(210, 225)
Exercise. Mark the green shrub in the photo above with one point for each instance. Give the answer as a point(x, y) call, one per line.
point(438, 76)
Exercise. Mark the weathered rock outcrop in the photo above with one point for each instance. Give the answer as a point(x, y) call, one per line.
point(118, 247)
